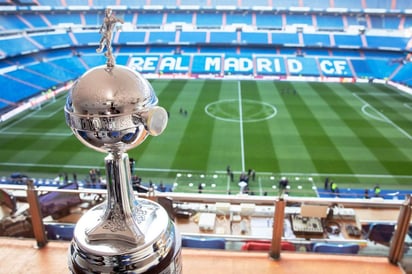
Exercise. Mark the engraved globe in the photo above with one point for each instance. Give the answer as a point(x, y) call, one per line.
point(113, 109)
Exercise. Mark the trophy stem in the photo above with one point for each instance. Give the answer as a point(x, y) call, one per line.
point(123, 213)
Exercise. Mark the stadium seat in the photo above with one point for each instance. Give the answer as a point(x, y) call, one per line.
point(59, 231)
point(380, 233)
point(336, 248)
point(208, 243)
point(265, 246)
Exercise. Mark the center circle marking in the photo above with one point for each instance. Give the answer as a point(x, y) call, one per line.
point(252, 111)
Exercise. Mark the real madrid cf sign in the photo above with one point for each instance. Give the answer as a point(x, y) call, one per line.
point(247, 65)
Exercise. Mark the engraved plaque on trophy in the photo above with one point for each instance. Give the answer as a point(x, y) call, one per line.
point(112, 109)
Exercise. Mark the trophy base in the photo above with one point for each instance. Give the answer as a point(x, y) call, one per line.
point(159, 252)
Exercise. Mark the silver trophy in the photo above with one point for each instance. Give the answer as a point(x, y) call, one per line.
point(113, 109)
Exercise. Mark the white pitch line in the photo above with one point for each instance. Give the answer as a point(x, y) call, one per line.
point(242, 149)
point(32, 114)
point(364, 110)
point(386, 119)
point(51, 114)
point(25, 133)
point(315, 188)
point(19, 120)
point(260, 187)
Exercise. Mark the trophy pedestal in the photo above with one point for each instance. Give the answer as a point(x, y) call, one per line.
point(125, 234)
point(158, 252)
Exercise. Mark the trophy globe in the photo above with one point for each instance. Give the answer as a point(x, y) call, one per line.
point(112, 109)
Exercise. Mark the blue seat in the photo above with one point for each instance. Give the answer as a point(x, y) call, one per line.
point(336, 248)
point(59, 231)
point(380, 233)
point(211, 243)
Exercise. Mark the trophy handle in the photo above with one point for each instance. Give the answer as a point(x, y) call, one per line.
point(123, 214)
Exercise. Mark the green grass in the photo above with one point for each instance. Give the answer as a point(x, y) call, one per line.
point(357, 134)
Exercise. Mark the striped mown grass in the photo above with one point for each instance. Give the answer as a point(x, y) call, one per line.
point(356, 134)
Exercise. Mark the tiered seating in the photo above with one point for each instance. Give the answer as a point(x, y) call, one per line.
point(378, 4)
point(16, 45)
point(9, 22)
point(349, 4)
point(75, 2)
point(101, 3)
point(163, 2)
point(205, 19)
point(93, 18)
point(35, 21)
point(299, 19)
point(162, 37)
point(127, 37)
point(52, 3)
point(386, 42)
point(223, 37)
point(373, 68)
point(27, 2)
point(315, 52)
point(255, 3)
point(90, 37)
point(53, 40)
point(254, 38)
point(286, 3)
point(219, 50)
point(317, 4)
point(329, 22)
point(202, 3)
point(283, 38)
point(269, 21)
point(192, 37)
point(31, 76)
point(313, 39)
point(209, 20)
point(402, 5)
point(92, 59)
point(67, 18)
point(22, 90)
point(239, 18)
point(65, 69)
point(356, 20)
point(179, 17)
point(404, 75)
point(150, 19)
point(153, 36)
point(348, 40)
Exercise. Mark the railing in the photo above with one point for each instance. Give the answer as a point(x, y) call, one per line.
point(268, 222)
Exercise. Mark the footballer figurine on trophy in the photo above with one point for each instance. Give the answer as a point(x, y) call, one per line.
point(106, 30)
point(112, 108)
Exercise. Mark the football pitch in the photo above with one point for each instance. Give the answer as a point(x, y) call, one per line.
point(358, 135)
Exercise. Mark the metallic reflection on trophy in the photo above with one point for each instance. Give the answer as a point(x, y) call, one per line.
point(106, 30)
point(113, 109)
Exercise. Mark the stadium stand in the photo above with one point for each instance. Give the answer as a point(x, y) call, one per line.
point(344, 39)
